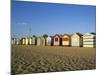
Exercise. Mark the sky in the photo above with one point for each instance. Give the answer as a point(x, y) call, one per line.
point(38, 18)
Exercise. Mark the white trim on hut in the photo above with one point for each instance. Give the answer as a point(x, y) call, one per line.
point(65, 40)
point(89, 40)
point(76, 39)
point(56, 41)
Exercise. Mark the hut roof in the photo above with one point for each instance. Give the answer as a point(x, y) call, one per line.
point(50, 36)
point(57, 35)
point(92, 33)
point(66, 35)
point(79, 34)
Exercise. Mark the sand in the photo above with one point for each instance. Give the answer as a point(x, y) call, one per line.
point(38, 59)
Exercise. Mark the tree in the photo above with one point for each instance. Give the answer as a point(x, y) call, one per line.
point(34, 36)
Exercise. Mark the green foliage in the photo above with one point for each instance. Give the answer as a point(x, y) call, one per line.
point(45, 35)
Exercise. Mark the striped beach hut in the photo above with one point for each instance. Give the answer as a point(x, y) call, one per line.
point(65, 40)
point(57, 40)
point(89, 40)
point(49, 41)
point(76, 39)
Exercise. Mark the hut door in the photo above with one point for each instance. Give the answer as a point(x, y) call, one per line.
point(75, 42)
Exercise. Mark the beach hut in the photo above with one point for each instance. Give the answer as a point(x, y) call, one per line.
point(49, 40)
point(29, 40)
point(23, 40)
point(56, 40)
point(38, 41)
point(65, 40)
point(43, 41)
point(89, 40)
point(76, 39)
point(12, 41)
point(26, 41)
point(17, 41)
point(33, 40)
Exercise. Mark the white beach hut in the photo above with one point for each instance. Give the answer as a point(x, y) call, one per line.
point(12, 41)
point(23, 40)
point(26, 41)
point(29, 41)
point(43, 41)
point(33, 40)
point(49, 41)
point(38, 43)
point(17, 41)
point(89, 40)
point(76, 39)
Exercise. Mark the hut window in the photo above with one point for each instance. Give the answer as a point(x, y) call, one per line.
point(56, 39)
point(65, 39)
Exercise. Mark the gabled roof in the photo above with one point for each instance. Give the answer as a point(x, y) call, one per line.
point(66, 35)
point(50, 36)
point(92, 33)
point(57, 35)
point(79, 34)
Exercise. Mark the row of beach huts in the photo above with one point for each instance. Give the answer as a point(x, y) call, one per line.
point(76, 39)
